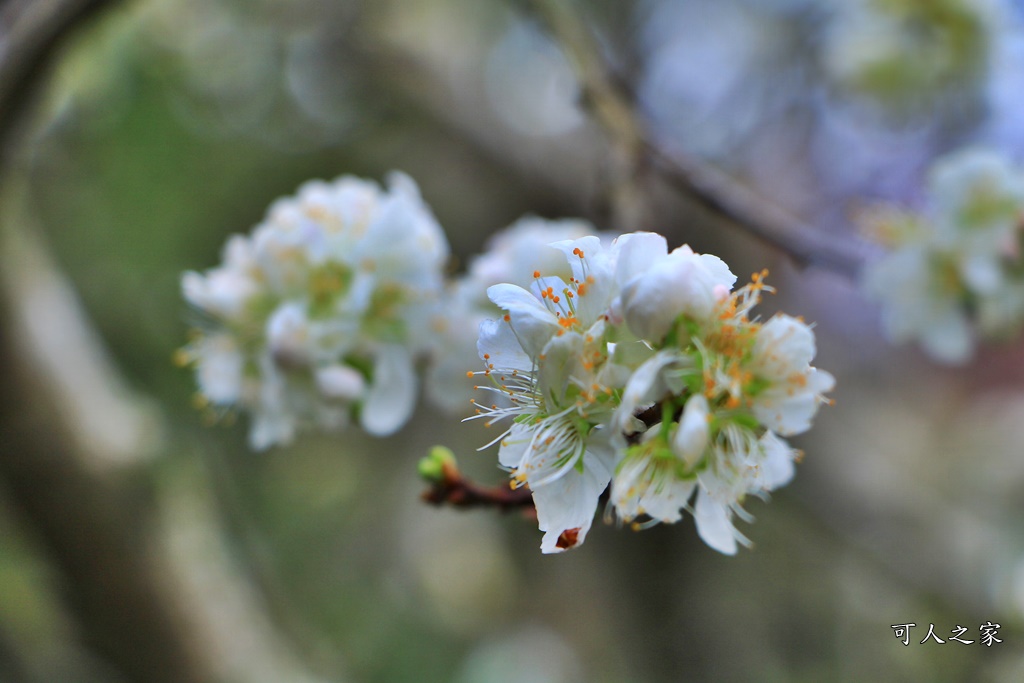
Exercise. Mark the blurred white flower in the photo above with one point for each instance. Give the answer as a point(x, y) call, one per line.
point(515, 253)
point(320, 314)
point(224, 291)
point(219, 371)
point(958, 273)
point(922, 302)
point(977, 207)
point(906, 56)
point(530, 83)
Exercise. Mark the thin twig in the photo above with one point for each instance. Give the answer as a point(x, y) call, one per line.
point(455, 490)
point(450, 487)
point(613, 108)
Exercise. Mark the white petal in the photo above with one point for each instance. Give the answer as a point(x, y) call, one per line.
point(714, 524)
point(340, 381)
point(784, 345)
point(514, 446)
point(272, 422)
point(392, 395)
point(820, 381)
point(270, 429)
point(568, 504)
point(403, 239)
point(561, 360)
point(455, 353)
point(647, 383)
point(589, 245)
point(288, 336)
point(777, 468)
point(692, 434)
point(533, 323)
point(634, 493)
point(499, 342)
point(219, 369)
point(221, 292)
point(597, 270)
point(949, 338)
point(982, 272)
point(720, 273)
point(665, 504)
point(636, 253)
point(514, 298)
point(238, 253)
point(679, 284)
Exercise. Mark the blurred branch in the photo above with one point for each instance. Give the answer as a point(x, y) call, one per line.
point(614, 109)
point(30, 33)
point(145, 575)
point(93, 522)
point(78, 448)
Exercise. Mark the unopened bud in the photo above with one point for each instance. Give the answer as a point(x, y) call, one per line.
point(432, 468)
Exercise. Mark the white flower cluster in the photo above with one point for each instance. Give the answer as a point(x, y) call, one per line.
point(618, 363)
point(629, 365)
point(955, 269)
point(318, 315)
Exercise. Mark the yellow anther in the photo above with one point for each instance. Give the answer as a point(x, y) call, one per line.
point(181, 358)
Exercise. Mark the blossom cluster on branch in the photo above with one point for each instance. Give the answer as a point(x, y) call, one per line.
point(613, 364)
point(319, 315)
point(954, 271)
point(631, 366)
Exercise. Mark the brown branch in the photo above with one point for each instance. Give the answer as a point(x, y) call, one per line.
point(448, 486)
point(455, 490)
point(614, 109)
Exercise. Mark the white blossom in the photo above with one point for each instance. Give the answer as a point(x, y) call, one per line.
point(724, 387)
point(793, 390)
point(512, 256)
point(657, 286)
point(548, 356)
point(320, 313)
point(957, 275)
point(976, 210)
point(921, 302)
point(643, 370)
point(901, 55)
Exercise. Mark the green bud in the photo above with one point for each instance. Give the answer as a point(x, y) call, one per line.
point(432, 467)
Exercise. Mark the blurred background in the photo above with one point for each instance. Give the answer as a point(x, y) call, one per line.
point(139, 544)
